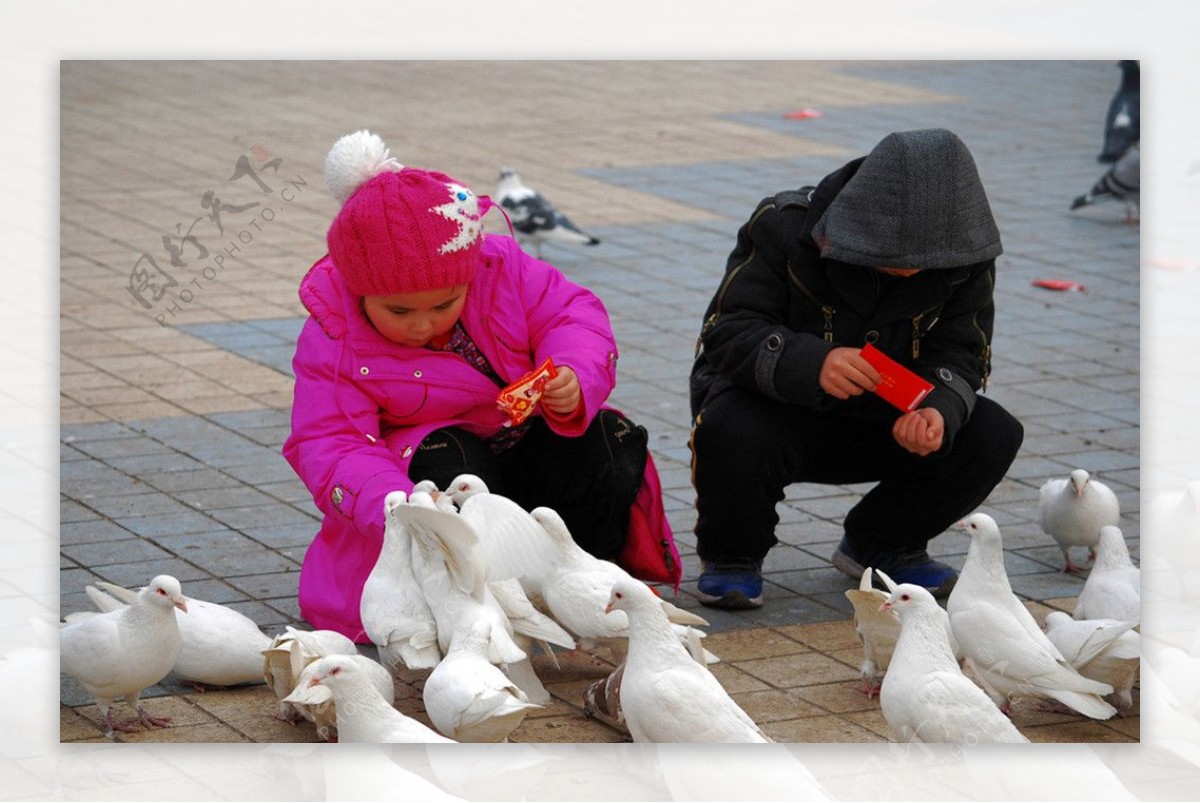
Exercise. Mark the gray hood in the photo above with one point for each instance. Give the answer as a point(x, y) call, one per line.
point(916, 201)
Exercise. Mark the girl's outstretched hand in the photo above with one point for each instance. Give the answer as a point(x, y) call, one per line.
point(561, 394)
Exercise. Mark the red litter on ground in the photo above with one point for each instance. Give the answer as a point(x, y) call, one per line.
point(804, 114)
point(1059, 284)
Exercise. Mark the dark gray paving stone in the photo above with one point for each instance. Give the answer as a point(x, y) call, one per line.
point(282, 537)
point(261, 516)
point(133, 575)
point(268, 586)
point(71, 511)
point(216, 499)
point(88, 532)
point(104, 553)
point(137, 505)
point(197, 480)
point(190, 521)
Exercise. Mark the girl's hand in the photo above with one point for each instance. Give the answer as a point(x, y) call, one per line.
point(561, 394)
point(919, 431)
point(846, 373)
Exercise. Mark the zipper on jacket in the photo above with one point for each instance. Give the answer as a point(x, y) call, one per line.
point(728, 280)
point(916, 337)
point(827, 311)
point(986, 356)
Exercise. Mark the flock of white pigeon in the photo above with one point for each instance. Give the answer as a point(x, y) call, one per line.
point(468, 581)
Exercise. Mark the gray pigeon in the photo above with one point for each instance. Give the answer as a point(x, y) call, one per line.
point(1122, 181)
point(534, 218)
point(1123, 121)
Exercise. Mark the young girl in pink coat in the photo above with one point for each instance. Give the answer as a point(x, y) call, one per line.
point(417, 321)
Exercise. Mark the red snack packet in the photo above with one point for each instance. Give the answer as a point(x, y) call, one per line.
point(898, 386)
point(518, 399)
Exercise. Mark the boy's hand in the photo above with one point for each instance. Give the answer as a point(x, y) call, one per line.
point(919, 431)
point(561, 394)
point(846, 373)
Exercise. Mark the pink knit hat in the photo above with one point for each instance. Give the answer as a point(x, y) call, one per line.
point(400, 229)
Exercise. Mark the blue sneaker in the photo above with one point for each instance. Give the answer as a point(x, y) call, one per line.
point(904, 566)
point(731, 584)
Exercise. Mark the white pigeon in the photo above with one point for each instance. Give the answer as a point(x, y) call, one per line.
point(666, 695)
point(526, 620)
point(451, 572)
point(577, 590)
point(395, 614)
point(363, 714)
point(514, 543)
point(1121, 181)
point(1113, 589)
point(221, 647)
point(284, 662)
point(467, 697)
point(877, 630)
point(121, 652)
point(925, 696)
point(537, 548)
point(1000, 639)
point(534, 218)
point(1101, 649)
point(1073, 509)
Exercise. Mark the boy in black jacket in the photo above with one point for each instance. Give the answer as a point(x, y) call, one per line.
point(896, 249)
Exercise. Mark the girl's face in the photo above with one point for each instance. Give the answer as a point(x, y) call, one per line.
point(414, 319)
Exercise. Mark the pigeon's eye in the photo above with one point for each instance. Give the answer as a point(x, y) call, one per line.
point(337, 670)
point(161, 591)
point(905, 597)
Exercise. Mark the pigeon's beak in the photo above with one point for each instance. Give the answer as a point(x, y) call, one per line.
point(887, 606)
point(315, 680)
point(180, 603)
point(1078, 491)
point(608, 608)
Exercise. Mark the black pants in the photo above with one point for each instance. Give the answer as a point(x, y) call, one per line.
point(591, 480)
point(747, 448)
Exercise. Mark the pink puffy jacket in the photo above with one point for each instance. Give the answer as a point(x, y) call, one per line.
point(363, 404)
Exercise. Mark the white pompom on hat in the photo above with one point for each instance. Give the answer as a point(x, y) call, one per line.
point(400, 229)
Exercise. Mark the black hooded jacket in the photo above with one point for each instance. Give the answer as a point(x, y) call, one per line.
point(782, 307)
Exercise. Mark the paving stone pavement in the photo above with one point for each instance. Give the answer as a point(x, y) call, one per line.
point(175, 404)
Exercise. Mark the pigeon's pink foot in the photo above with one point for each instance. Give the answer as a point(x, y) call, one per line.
point(870, 687)
point(152, 721)
point(1006, 708)
point(202, 687)
point(1071, 567)
point(125, 725)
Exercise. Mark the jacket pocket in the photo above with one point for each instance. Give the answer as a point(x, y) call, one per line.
point(398, 396)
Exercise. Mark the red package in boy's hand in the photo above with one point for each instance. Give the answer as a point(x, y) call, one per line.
point(897, 386)
point(518, 399)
